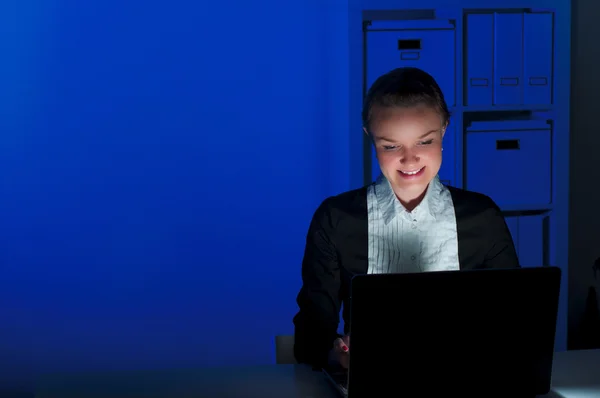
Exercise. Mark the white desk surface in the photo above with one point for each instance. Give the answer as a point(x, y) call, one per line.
point(576, 375)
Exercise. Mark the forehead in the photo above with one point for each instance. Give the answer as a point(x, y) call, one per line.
point(405, 121)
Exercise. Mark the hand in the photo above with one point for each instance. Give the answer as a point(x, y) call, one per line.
point(340, 353)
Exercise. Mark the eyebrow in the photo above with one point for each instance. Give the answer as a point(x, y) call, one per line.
point(421, 137)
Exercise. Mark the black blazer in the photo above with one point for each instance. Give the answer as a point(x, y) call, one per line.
point(337, 249)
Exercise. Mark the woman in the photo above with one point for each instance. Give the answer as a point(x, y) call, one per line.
point(406, 221)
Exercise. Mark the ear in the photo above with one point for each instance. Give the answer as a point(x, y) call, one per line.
point(444, 129)
point(366, 132)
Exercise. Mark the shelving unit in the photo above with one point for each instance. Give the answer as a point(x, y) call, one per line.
point(496, 68)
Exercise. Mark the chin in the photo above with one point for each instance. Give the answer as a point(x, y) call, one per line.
point(415, 184)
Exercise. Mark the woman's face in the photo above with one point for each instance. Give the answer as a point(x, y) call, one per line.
point(408, 143)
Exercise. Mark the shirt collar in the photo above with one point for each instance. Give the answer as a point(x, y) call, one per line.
point(391, 207)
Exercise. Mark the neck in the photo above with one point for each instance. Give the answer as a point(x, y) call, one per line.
point(410, 200)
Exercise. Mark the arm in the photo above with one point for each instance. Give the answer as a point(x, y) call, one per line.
point(501, 252)
point(319, 300)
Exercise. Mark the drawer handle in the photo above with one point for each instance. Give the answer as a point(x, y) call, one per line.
point(479, 82)
point(509, 81)
point(410, 55)
point(409, 44)
point(507, 145)
point(538, 81)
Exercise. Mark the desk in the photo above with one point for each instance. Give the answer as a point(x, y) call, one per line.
point(576, 375)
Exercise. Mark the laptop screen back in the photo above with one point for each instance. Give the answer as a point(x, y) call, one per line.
point(477, 332)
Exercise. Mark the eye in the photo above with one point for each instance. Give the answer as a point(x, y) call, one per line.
point(428, 142)
point(389, 147)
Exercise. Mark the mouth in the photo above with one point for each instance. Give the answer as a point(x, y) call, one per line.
point(411, 173)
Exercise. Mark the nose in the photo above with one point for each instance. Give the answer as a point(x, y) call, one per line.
point(409, 156)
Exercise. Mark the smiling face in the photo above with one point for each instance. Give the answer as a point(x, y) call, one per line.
point(408, 143)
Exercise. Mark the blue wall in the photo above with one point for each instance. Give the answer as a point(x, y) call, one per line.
point(160, 166)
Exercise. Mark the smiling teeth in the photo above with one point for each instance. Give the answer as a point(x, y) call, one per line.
point(410, 173)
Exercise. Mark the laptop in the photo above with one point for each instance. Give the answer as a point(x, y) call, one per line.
point(476, 333)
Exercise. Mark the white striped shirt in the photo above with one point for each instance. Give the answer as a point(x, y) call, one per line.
point(418, 241)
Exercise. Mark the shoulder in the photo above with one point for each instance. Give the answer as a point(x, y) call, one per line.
point(346, 206)
point(475, 200)
point(470, 203)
